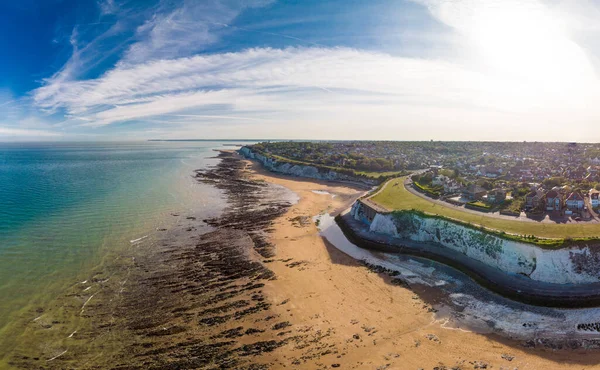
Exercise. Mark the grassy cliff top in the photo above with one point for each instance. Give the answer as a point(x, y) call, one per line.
point(370, 174)
point(394, 196)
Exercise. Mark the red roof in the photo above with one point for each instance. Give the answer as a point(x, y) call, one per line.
point(575, 196)
point(552, 194)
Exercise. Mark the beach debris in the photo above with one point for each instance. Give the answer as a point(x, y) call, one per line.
point(367, 329)
point(57, 356)
point(433, 338)
point(138, 239)
point(300, 221)
point(297, 263)
point(507, 357)
point(85, 303)
point(479, 364)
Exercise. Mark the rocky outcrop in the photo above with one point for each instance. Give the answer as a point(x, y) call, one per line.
point(577, 264)
point(307, 171)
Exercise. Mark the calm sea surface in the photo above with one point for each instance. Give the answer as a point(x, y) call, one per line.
point(64, 207)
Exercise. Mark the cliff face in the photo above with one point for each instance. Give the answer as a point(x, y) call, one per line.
point(302, 170)
point(579, 264)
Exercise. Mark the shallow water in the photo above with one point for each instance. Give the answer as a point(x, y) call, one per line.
point(65, 207)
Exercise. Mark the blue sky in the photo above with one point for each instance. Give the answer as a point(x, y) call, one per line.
point(379, 69)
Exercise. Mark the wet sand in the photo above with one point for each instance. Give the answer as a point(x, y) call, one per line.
point(257, 288)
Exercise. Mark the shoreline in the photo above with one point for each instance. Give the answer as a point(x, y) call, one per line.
point(487, 346)
point(515, 287)
point(258, 287)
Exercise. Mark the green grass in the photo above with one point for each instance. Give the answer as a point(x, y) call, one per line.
point(428, 189)
point(480, 204)
point(395, 197)
point(370, 174)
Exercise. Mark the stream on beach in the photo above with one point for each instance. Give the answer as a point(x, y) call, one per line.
point(457, 302)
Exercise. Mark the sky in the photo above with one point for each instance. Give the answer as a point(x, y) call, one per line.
point(513, 70)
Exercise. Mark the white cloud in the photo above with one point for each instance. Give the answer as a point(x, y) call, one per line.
point(25, 133)
point(108, 7)
point(295, 81)
point(509, 76)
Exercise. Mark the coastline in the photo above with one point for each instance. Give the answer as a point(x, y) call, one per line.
point(513, 286)
point(341, 294)
point(218, 296)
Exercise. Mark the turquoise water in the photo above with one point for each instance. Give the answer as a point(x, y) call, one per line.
point(64, 206)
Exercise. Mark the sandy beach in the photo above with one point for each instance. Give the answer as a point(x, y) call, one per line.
point(366, 321)
point(258, 287)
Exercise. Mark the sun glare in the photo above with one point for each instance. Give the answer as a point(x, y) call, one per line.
point(529, 43)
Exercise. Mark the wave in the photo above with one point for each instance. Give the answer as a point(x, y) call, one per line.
point(138, 239)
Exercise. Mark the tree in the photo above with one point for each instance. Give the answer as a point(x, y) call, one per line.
point(553, 181)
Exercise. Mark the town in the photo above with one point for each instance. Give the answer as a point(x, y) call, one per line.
point(557, 181)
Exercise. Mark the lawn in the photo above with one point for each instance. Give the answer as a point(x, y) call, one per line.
point(395, 197)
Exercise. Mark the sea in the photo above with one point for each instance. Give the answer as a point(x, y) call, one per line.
point(65, 208)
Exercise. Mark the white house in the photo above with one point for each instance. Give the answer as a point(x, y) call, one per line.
point(452, 187)
point(575, 201)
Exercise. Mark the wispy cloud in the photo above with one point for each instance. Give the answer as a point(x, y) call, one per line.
point(184, 30)
point(260, 80)
point(108, 7)
point(506, 75)
point(6, 132)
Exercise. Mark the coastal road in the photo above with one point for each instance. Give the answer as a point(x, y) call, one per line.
point(522, 217)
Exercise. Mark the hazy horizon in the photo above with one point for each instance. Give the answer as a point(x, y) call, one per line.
point(412, 70)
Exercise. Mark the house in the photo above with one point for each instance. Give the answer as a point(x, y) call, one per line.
point(533, 199)
point(554, 201)
point(577, 173)
point(496, 196)
point(473, 192)
point(575, 201)
point(452, 187)
point(594, 195)
point(492, 172)
point(439, 180)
